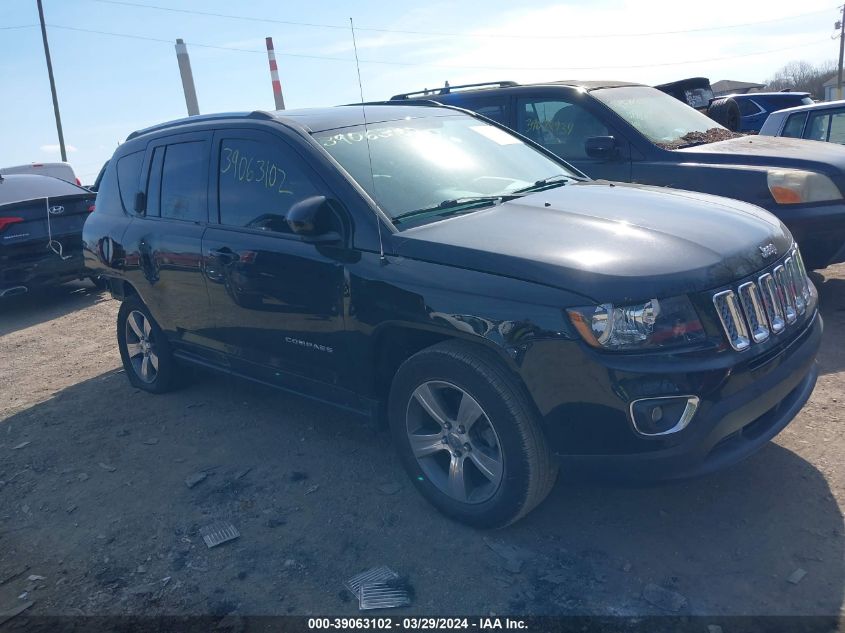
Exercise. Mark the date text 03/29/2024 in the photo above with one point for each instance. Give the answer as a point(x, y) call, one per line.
point(412, 623)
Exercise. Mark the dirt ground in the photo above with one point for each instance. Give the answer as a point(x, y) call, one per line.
point(96, 516)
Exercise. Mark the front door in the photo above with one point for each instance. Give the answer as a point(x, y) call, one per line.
point(277, 300)
point(563, 127)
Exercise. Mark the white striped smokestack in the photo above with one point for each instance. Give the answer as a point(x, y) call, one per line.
point(274, 75)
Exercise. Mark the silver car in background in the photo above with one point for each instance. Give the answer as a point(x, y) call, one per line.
point(816, 122)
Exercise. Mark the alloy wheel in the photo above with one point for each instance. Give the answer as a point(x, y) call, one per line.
point(454, 442)
point(141, 346)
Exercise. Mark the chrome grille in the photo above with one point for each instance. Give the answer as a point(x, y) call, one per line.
point(756, 310)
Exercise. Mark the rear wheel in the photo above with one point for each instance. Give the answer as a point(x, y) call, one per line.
point(144, 350)
point(468, 435)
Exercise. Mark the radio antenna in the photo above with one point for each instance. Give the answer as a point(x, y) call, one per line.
point(382, 258)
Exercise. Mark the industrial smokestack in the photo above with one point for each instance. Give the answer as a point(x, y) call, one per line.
point(187, 78)
point(274, 75)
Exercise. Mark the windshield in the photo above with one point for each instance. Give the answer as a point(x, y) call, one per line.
point(662, 119)
point(439, 162)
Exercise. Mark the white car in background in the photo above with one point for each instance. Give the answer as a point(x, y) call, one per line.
point(817, 122)
point(62, 171)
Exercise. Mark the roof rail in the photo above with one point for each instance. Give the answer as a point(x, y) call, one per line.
point(395, 102)
point(201, 118)
point(447, 89)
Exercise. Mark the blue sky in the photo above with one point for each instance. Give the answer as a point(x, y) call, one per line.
point(111, 85)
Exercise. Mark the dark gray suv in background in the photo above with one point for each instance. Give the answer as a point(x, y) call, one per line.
point(505, 313)
point(634, 133)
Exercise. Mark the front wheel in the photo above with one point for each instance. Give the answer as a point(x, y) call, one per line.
point(144, 350)
point(468, 436)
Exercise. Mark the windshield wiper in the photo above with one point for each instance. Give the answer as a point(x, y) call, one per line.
point(450, 207)
point(556, 180)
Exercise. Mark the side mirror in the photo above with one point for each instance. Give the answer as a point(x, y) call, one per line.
point(314, 220)
point(601, 147)
point(140, 202)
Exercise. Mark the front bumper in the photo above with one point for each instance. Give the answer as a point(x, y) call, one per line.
point(742, 406)
point(819, 230)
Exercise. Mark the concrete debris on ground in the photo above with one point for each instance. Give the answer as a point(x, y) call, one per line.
point(796, 576)
point(107, 467)
point(390, 488)
point(13, 574)
point(196, 478)
point(512, 557)
point(8, 614)
point(665, 599)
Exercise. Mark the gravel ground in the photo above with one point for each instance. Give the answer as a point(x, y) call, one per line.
point(96, 516)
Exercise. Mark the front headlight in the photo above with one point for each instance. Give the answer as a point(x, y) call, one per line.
point(795, 186)
point(663, 323)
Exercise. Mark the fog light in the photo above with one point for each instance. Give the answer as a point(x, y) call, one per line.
point(662, 416)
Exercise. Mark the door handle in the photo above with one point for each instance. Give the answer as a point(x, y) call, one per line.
point(226, 254)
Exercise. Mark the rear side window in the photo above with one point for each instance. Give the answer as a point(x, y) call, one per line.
point(794, 125)
point(748, 108)
point(128, 178)
point(817, 129)
point(184, 185)
point(259, 181)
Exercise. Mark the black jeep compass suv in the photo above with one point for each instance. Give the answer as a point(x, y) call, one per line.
point(504, 311)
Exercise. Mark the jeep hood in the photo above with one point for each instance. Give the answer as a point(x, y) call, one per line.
point(771, 151)
point(610, 242)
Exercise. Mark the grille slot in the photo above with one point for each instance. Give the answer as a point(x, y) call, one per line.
point(756, 310)
point(771, 299)
point(732, 320)
point(797, 286)
point(785, 292)
point(752, 306)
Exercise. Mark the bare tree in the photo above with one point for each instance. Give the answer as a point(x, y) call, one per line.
point(801, 76)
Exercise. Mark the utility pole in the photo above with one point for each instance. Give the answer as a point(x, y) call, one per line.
point(841, 26)
point(53, 83)
point(187, 78)
point(274, 75)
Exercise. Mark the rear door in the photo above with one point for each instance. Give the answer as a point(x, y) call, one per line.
point(164, 240)
point(277, 299)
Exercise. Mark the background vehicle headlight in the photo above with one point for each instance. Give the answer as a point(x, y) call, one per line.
point(653, 323)
point(794, 186)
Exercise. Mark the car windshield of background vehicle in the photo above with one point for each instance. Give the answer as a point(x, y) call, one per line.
point(418, 164)
point(662, 119)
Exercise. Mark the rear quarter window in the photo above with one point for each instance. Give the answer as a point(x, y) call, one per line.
point(794, 125)
point(128, 178)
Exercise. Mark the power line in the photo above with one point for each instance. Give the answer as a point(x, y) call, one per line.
point(230, 16)
point(20, 26)
point(441, 66)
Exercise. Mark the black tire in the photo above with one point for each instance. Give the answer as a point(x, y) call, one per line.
point(164, 378)
point(726, 111)
point(529, 470)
